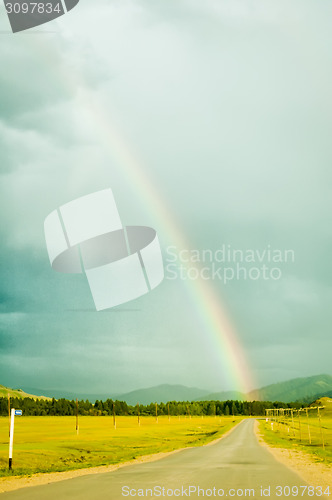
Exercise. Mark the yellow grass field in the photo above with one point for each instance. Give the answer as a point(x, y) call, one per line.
point(45, 444)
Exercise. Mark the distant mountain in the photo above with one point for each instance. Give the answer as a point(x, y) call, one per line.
point(327, 395)
point(223, 396)
point(309, 400)
point(297, 389)
point(305, 389)
point(17, 393)
point(58, 394)
point(162, 394)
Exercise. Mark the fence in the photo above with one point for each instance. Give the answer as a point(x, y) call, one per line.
point(305, 425)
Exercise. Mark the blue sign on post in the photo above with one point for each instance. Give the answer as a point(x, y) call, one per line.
point(18, 412)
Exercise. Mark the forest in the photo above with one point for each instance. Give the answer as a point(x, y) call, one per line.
point(62, 407)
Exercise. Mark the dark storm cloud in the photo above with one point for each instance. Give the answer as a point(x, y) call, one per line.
point(225, 107)
point(36, 81)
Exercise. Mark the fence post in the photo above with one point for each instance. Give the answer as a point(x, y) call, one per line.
point(321, 428)
point(288, 421)
point(293, 426)
point(309, 435)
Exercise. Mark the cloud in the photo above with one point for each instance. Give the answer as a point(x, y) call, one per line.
point(225, 107)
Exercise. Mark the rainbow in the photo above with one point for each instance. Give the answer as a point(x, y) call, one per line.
point(208, 306)
point(216, 327)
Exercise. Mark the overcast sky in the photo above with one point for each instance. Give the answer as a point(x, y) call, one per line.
point(222, 111)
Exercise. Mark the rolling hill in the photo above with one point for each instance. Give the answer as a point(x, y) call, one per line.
point(17, 393)
point(298, 389)
point(325, 401)
point(305, 389)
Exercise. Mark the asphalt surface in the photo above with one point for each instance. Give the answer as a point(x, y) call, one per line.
point(234, 467)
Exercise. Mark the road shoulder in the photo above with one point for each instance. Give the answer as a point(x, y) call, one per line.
point(311, 471)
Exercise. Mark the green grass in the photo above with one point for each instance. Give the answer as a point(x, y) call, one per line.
point(47, 444)
point(17, 393)
point(13, 393)
point(290, 433)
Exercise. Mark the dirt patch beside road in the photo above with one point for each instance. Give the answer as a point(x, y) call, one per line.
point(311, 471)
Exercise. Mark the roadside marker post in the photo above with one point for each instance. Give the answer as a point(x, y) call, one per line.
point(13, 413)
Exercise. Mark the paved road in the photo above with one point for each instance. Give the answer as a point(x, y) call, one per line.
point(234, 464)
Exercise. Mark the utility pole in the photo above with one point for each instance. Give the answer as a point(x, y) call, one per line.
point(138, 421)
point(77, 429)
point(9, 413)
point(156, 413)
point(114, 421)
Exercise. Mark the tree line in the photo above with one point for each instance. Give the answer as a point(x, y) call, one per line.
point(63, 407)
